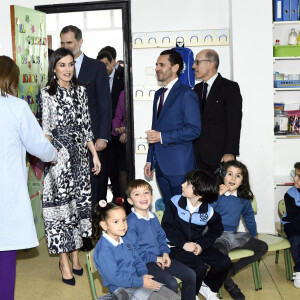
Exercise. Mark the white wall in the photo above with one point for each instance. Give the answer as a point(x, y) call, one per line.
point(252, 69)
point(251, 35)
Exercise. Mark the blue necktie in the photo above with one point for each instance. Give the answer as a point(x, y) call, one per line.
point(161, 101)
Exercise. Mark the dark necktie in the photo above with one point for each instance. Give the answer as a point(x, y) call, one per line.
point(204, 93)
point(161, 101)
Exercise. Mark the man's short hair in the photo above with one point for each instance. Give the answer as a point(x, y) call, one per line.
point(134, 184)
point(214, 57)
point(297, 165)
point(76, 30)
point(174, 58)
point(104, 54)
point(111, 50)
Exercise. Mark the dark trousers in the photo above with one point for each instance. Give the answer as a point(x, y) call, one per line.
point(179, 270)
point(218, 262)
point(295, 250)
point(259, 248)
point(169, 185)
point(95, 182)
point(293, 236)
point(202, 165)
point(110, 169)
point(7, 274)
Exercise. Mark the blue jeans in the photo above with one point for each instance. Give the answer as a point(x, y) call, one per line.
point(179, 270)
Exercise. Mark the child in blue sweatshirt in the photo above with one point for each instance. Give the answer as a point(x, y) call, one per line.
point(233, 202)
point(120, 266)
point(291, 222)
point(192, 226)
point(148, 237)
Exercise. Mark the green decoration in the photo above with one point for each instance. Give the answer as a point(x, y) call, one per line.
point(33, 63)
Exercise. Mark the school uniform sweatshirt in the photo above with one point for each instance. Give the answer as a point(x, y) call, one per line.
point(119, 264)
point(291, 219)
point(203, 226)
point(147, 236)
point(231, 208)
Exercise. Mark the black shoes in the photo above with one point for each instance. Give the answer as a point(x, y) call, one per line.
point(235, 292)
point(67, 281)
point(87, 244)
point(76, 271)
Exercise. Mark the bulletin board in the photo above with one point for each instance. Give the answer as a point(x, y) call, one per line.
point(30, 52)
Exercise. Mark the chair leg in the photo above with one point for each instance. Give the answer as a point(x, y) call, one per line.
point(220, 293)
point(258, 274)
point(276, 257)
point(255, 276)
point(288, 264)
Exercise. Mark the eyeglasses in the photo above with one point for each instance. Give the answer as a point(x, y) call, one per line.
point(197, 62)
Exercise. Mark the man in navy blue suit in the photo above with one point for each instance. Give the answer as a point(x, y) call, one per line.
point(93, 73)
point(175, 124)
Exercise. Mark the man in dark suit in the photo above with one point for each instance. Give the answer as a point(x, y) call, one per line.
point(112, 51)
point(221, 113)
point(175, 124)
point(110, 168)
point(93, 74)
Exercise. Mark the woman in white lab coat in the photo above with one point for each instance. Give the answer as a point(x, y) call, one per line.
point(19, 132)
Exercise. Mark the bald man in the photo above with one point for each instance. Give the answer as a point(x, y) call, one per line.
point(221, 113)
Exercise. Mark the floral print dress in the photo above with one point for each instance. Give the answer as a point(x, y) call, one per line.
point(67, 189)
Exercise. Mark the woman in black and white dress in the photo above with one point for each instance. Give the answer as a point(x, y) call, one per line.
point(67, 191)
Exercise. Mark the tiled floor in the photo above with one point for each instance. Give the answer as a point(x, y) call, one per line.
point(38, 278)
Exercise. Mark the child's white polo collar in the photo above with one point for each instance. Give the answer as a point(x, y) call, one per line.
point(111, 240)
point(150, 215)
point(229, 194)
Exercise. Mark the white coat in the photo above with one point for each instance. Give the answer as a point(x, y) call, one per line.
point(19, 132)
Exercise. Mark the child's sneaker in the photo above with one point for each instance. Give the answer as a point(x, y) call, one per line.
point(296, 277)
point(207, 293)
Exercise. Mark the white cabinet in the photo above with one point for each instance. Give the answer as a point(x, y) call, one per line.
point(286, 148)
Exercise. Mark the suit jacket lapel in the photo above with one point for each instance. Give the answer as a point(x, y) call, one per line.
point(171, 95)
point(156, 98)
point(82, 68)
point(213, 93)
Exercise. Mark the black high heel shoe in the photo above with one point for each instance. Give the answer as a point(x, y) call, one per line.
point(66, 281)
point(75, 271)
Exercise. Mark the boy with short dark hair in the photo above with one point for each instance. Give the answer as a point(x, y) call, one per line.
point(192, 226)
point(291, 222)
point(146, 234)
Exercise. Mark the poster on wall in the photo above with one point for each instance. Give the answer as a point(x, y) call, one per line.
point(30, 52)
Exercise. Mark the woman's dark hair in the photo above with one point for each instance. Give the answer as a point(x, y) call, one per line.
point(243, 190)
point(100, 214)
point(204, 184)
point(9, 76)
point(297, 165)
point(54, 58)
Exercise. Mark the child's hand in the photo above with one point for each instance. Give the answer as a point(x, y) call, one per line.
point(198, 250)
point(149, 283)
point(190, 247)
point(223, 189)
point(166, 260)
point(160, 262)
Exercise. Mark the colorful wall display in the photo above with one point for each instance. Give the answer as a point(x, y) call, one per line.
point(30, 51)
